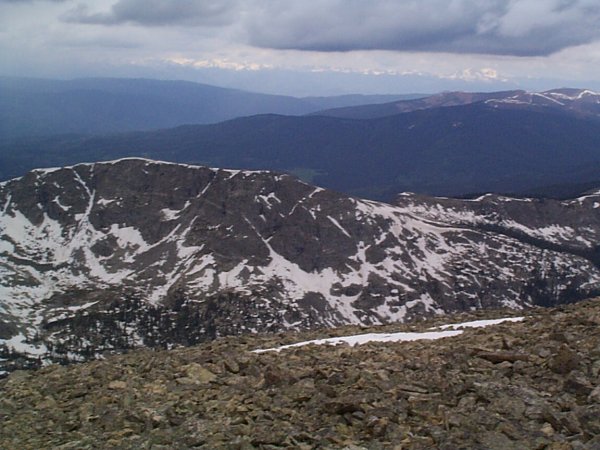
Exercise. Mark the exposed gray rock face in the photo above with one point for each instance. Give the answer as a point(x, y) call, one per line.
point(110, 256)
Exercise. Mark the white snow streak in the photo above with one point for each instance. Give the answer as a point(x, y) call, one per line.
point(369, 337)
point(478, 323)
point(358, 339)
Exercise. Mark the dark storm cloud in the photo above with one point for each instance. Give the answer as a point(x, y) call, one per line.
point(501, 27)
point(504, 27)
point(158, 13)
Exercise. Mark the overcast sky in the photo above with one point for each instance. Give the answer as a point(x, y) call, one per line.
point(309, 46)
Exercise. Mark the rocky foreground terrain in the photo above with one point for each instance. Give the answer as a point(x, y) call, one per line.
point(533, 384)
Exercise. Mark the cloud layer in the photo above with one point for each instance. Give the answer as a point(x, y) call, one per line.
point(335, 46)
point(499, 27)
point(517, 27)
point(159, 13)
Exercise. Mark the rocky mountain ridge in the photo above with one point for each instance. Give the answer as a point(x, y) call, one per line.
point(550, 223)
point(581, 102)
point(110, 256)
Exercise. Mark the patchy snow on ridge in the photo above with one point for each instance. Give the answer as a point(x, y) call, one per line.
point(573, 223)
point(267, 252)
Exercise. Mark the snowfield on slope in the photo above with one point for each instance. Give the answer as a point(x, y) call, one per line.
point(449, 330)
point(267, 251)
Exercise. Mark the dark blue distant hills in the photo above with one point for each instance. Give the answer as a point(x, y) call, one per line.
point(451, 144)
point(30, 106)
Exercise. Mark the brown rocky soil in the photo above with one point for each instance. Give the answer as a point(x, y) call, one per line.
point(527, 385)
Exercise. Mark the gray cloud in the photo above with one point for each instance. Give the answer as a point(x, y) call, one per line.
point(158, 13)
point(513, 27)
point(499, 27)
point(31, 1)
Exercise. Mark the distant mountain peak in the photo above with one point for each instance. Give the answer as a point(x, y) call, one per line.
point(570, 99)
point(579, 101)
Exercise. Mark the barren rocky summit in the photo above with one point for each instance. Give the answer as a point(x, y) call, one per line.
point(533, 384)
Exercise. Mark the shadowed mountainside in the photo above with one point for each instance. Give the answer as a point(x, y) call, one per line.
point(441, 151)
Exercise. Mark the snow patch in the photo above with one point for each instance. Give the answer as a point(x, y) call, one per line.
point(478, 323)
point(104, 202)
point(173, 214)
point(128, 237)
point(7, 203)
point(84, 306)
point(19, 344)
point(369, 337)
point(60, 205)
point(268, 199)
point(337, 224)
point(358, 339)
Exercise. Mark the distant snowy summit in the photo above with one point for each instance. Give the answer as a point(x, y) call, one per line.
point(580, 101)
point(108, 256)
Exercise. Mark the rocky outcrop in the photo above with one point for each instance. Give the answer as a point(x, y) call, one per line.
point(111, 256)
point(529, 384)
